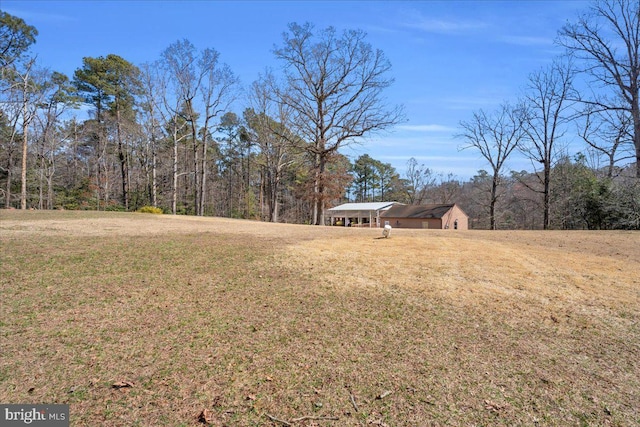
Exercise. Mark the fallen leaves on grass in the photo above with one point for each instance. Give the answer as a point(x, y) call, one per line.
point(296, 420)
point(205, 416)
point(494, 407)
point(307, 417)
point(353, 402)
point(122, 384)
point(383, 394)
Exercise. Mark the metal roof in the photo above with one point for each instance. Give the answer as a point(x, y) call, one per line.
point(418, 211)
point(363, 206)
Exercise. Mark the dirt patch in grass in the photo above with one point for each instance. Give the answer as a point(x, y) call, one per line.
point(254, 323)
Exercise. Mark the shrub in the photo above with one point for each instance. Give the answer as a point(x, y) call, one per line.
point(150, 209)
point(115, 207)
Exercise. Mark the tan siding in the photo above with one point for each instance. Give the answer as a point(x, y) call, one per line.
point(463, 219)
point(413, 223)
point(453, 216)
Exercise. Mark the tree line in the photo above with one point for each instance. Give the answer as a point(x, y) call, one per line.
point(120, 136)
point(590, 94)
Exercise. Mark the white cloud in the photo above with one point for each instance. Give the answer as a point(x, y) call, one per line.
point(379, 29)
point(444, 26)
point(527, 40)
point(426, 128)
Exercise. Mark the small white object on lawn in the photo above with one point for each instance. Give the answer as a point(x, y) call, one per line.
point(386, 231)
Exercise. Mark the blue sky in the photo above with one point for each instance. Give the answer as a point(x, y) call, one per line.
point(449, 58)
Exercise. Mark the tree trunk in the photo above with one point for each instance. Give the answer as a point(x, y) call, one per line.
point(203, 172)
point(74, 178)
point(98, 184)
point(102, 183)
point(264, 189)
point(174, 190)
point(547, 198)
point(321, 193)
point(276, 207)
point(203, 180)
point(274, 196)
point(7, 200)
point(123, 162)
point(41, 181)
point(154, 174)
point(316, 191)
point(635, 113)
point(25, 140)
point(50, 193)
point(492, 203)
point(123, 173)
point(247, 191)
point(196, 168)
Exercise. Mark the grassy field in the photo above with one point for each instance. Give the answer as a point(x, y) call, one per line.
point(147, 320)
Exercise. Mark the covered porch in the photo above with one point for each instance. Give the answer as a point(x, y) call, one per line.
point(358, 214)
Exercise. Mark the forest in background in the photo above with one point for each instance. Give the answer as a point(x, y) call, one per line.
point(122, 136)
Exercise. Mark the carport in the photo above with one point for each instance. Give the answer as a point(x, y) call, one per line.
point(359, 214)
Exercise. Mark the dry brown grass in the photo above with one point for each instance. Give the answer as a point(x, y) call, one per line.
point(250, 321)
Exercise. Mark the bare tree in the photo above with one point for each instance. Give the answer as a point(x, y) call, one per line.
point(180, 60)
point(496, 136)
point(607, 38)
point(157, 98)
point(10, 144)
point(334, 89)
point(447, 189)
point(151, 83)
point(235, 144)
point(199, 74)
point(217, 94)
point(58, 97)
point(26, 95)
point(266, 123)
point(419, 180)
point(608, 134)
point(15, 39)
point(152, 92)
point(548, 104)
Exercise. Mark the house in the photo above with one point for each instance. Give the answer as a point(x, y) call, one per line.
point(358, 214)
point(440, 217)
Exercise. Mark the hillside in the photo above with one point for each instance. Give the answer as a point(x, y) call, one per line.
point(137, 319)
